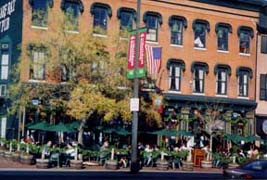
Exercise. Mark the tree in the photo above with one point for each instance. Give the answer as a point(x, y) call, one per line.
point(93, 70)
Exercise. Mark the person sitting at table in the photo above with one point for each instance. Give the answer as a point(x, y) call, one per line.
point(46, 149)
point(70, 152)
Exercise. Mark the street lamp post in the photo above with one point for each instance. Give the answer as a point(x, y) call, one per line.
point(134, 163)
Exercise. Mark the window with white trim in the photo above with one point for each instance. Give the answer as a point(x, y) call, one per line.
point(4, 66)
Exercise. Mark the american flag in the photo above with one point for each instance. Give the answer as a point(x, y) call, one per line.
point(153, 58)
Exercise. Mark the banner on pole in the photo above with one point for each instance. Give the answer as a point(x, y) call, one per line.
point(140, 71)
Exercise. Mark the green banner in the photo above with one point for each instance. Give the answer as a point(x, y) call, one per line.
point(130, 74)
point(140, 72)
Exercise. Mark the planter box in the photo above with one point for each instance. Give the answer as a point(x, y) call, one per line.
point(16, 157)
point(42, 163)
point(162, 165)
point(206, 164)
point(8, 155)
point(112, 164)
point(76, 164)
point(187, 166)
point(26, 159)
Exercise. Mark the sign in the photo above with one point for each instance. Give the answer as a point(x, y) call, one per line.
point(131, 56)
point(140, 71)
point(134, 104)
point(6, 11)
point(264, 127)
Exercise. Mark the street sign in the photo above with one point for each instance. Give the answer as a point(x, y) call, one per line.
point(134, 104)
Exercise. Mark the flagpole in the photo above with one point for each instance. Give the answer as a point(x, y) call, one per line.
point(135, 166)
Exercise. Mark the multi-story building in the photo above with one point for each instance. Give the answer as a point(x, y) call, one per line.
point(261, 81)
point(209, 50)
point(10, 39)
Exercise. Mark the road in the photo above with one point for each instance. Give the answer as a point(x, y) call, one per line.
point(102, 175)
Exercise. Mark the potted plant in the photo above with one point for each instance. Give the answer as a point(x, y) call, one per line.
point(8, 153)
point(112, 163)
point(188, 165)
point(16, 153)
point(42, 163)
point(2, 147)
point(162, 163)
point(76, 163)
point(26, 157)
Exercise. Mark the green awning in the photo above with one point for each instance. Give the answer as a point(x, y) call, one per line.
point(197, 101)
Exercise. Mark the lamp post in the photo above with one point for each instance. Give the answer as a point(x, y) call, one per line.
point(134, 163)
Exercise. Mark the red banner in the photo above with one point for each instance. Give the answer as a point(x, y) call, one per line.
point(131, 51)
point(142, 50)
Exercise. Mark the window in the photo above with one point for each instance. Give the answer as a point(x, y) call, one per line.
point(200, 28)
point(127, 17)
point(38, 56)
point(175, 66)
point(65, 76)
point(263, 87)
point(222, 31)
point(40, 12)
point(245, 34)
point(264, 44)
point(221, 82)
point(243, 74)
point(4, 66)
point(100, 12)
point(3, 90)
point(222, 72)
point(199, 69)
point(177, 24)
point(72, 10)
point(152, 21)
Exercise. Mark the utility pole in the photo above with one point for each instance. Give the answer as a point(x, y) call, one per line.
point(135, 166)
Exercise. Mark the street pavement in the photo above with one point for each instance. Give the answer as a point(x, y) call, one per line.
point(17, 171)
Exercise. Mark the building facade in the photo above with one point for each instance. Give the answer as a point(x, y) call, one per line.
point(209, 52)
point(10, 39)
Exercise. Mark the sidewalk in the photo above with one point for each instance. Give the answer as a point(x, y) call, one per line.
point(16, 166)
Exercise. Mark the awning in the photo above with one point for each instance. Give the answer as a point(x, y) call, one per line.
point(197, 101)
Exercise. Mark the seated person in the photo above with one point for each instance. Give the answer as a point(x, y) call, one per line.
point(70, 151)
point(46, 149)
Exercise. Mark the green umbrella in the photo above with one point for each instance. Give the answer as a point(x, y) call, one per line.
point(252, 138)
point(61, 127)
point(73, 125)
point(43, 125)
point(122, 132)
point(235, 138)
point(171, 132)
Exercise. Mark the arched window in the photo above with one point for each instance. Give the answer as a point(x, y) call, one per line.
point(177, 24)
point(40, 12)
point(243, 74)
point(245, 34)
point(222, 71)
point(175, 66)
point(101, 12)
point(222, 30)
point(152, 21)
point(200, 28)
point(199, 69)
point(72, 10)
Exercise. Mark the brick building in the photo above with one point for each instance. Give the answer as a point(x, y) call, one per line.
point(209, 51)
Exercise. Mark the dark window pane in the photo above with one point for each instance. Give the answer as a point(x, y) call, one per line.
point(126, 20)
point(177, 32)
point(40, 13)
point(263, 44)
point(244, 42)
point(72, 13)
point(263, 87)
point(152, 28)
point(222, 37)
point(200, 36)
point(100, 18)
